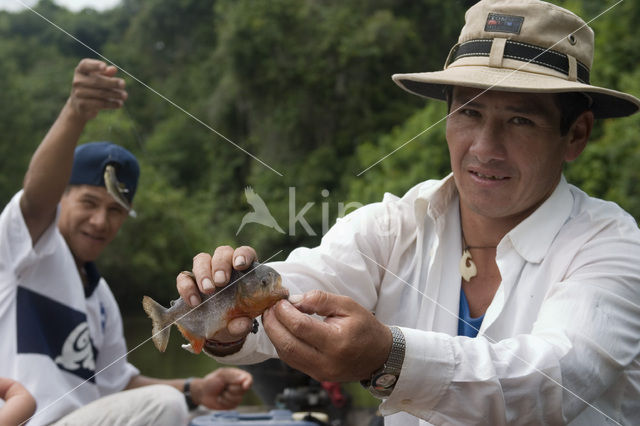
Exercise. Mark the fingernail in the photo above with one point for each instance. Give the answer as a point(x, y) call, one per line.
point(219, 277)
point(239, 261)
point(207, 284)
point(194, 300)
point(295, 298)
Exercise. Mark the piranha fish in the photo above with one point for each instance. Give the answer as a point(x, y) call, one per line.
point(117, 189)
point(248, 294)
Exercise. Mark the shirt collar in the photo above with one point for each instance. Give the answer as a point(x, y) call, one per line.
point(434, 200)
point(532, 237)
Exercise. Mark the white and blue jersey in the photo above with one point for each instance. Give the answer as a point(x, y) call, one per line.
point(62, 341)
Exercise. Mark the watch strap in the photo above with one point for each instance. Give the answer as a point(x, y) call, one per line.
point(186, 390)
point(396, 354)
point(391, 367)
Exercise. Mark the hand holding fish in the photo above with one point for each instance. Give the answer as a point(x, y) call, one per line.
point(347, 345)
point(221, 389)
point(207, 325)
point(209, 274)
point(95, 88)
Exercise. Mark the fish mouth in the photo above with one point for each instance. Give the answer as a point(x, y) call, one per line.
point(214, 346)
point(284, 292)
point(281, 291)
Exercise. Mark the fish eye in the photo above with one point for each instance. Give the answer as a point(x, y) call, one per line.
point(264, 282)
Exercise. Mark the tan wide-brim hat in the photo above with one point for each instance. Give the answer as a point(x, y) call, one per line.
point(522, 46)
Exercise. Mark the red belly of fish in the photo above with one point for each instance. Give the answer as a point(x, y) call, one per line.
point(251, 307)
point(197, 342)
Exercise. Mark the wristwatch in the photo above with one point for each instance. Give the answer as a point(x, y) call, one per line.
point(383, 381)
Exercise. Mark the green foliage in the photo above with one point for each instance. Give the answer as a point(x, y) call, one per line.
point(304, 86)
point(411, 153)
point(14, 124)
point(609, 167)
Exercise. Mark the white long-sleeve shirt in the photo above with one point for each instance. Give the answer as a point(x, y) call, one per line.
point(559, 343)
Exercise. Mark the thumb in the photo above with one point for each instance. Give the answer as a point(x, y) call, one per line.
point(237, 328)
point(110, 71)
point(321, 303)
point(240, 327)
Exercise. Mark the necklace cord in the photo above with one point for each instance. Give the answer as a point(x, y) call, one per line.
point(467, 246)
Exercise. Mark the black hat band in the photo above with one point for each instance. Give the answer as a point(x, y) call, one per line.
point(521, 52)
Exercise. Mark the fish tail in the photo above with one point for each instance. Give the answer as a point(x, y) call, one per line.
point(161, 325)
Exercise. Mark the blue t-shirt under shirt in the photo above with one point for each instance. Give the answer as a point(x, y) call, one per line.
point(467, 326)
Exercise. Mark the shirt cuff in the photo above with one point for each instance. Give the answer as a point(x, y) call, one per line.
point(426, 374)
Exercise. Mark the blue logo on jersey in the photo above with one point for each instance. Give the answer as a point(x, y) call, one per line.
point(103, 317)
point(50, 328)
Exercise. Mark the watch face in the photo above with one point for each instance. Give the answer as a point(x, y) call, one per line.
point(384, 381)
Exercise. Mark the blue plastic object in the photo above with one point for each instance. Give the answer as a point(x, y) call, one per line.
point(233, 418)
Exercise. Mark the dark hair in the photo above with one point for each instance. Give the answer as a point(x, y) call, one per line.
point(571, 105)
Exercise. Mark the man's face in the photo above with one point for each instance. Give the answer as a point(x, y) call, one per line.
point(506, 151)
point(89, 220)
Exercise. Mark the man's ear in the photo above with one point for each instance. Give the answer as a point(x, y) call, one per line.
point(579, 135)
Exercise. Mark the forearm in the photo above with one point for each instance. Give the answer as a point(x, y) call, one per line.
point(447, 378)
point(140, 380)
point(548, 376)
point(221, 389)
point(50, 166)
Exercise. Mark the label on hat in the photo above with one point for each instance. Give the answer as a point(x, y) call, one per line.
point(503, 23)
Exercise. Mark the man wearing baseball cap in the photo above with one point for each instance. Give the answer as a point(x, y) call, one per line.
point(61, 326)
point(502, 294)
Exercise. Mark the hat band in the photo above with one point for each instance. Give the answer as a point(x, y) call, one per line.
point(522, 52)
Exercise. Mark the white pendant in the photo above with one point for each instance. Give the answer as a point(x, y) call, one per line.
point(468, 269)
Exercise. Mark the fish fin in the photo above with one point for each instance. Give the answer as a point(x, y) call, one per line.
point(160, 328)
point(197, 342)
point(197, 345)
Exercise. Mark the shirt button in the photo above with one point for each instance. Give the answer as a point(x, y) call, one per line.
point(406, 401)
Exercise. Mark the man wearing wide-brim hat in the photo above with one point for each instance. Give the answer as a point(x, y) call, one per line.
point(502, 294)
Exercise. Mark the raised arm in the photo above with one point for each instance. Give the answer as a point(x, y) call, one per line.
point(94, 88)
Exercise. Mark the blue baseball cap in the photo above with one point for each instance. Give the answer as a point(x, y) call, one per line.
point(90, 163)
